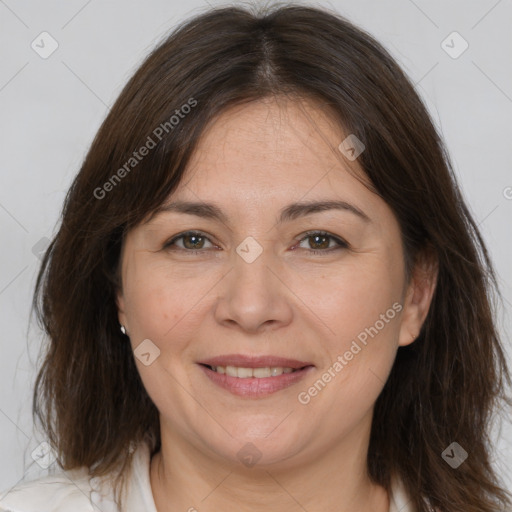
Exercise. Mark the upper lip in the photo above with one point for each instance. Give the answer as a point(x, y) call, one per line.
point(244, 361)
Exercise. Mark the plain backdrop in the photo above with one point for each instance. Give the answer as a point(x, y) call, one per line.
point(51, 108)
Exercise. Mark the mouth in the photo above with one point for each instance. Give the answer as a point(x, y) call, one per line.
point(254, 377)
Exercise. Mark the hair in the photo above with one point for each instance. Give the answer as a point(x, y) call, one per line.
point(444, 387)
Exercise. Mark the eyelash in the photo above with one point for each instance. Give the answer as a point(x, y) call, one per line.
point(341, 244)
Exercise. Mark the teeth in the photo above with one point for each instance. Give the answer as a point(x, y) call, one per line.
point(259, 373)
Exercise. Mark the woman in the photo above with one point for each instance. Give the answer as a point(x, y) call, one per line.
point(267, 291)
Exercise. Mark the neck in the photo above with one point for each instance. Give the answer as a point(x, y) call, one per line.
point(184, 478)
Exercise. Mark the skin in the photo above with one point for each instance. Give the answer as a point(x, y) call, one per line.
point(252, 161)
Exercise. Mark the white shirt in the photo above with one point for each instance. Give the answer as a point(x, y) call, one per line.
point(76, 491)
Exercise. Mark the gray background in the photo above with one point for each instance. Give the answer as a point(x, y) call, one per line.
point(52, 107)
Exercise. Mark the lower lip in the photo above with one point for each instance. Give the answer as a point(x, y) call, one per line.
point(253, 387)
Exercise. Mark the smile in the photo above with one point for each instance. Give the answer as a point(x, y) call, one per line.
point(254, 382)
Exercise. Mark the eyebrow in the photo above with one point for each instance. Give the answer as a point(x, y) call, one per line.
point(291, 212)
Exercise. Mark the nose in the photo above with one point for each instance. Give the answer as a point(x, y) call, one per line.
point(254, 296)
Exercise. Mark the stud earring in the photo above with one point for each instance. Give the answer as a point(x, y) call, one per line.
point(123, 329)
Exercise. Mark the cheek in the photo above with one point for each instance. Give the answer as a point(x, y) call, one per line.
point(156, 297)
point(149, 304)
point(162, 311)
point(352, 297)
point(360, 305)
point(166, 304)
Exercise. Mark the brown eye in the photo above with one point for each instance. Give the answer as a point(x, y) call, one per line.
point(193, 241)
point(190, 241)
point(319, 242)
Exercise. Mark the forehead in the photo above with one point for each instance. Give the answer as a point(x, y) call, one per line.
point(278, 145)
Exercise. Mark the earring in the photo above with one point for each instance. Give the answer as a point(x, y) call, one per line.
point(123, 329)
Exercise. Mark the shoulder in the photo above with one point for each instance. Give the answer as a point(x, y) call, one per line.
point(400, 501)
point(61, 492)
point(76, 490)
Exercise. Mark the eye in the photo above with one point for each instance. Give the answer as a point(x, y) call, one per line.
point(191, 241)
point(320, 242)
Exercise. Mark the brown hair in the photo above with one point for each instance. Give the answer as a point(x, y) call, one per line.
point(443, 387)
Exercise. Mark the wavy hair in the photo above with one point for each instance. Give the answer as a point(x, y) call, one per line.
point(444, 387)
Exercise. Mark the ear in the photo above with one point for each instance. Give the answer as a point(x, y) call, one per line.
point(120, 307)
point(120, 303)
point(418, 296)
point(118, 279)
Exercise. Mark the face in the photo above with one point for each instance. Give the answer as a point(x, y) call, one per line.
point(323, 288)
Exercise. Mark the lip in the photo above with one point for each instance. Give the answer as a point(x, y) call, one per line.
point(244, 361)
point(253, 387)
